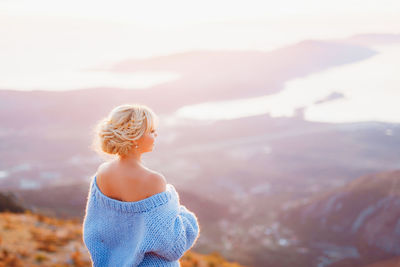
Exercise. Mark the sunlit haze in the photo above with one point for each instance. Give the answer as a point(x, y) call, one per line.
point(58, 45)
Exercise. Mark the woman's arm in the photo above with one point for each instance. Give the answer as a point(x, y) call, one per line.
point(173, 231)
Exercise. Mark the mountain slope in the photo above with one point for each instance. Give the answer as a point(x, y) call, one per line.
point(360, 221)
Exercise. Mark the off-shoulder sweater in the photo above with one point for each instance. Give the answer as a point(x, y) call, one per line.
point(155, 231)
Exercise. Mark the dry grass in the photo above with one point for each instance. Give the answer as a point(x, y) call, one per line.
point(35, 240)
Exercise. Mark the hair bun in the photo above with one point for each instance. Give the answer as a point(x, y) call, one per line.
point(124, 124)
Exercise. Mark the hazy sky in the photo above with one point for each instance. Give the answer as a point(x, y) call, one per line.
point(176, 12)
point(45, 42)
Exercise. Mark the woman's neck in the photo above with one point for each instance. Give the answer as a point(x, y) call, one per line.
point(132, 159)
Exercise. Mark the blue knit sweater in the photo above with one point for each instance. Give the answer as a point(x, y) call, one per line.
point(155, 231)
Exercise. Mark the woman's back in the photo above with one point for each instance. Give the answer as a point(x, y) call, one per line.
point(129, 183)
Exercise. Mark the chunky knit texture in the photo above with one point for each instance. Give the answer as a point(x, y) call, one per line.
point(155, 231)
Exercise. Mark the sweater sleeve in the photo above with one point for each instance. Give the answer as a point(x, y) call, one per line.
point(176, 233)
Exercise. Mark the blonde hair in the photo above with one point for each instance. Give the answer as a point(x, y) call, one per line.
point(125, 123)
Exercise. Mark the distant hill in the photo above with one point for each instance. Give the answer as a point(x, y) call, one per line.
point(64, 201)
point(359, 223)
point(30, 239)
point(394, 262)
point(10, 202)
point(205, 76)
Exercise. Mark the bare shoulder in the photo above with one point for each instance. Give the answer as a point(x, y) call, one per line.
point(103, 167)
point(156, 183)
point(129, 184)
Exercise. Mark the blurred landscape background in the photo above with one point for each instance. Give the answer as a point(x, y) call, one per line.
point(279, 123)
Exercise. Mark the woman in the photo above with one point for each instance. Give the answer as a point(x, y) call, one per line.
point(133, 216)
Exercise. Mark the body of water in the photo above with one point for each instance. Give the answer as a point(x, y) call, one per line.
point(361, 91)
